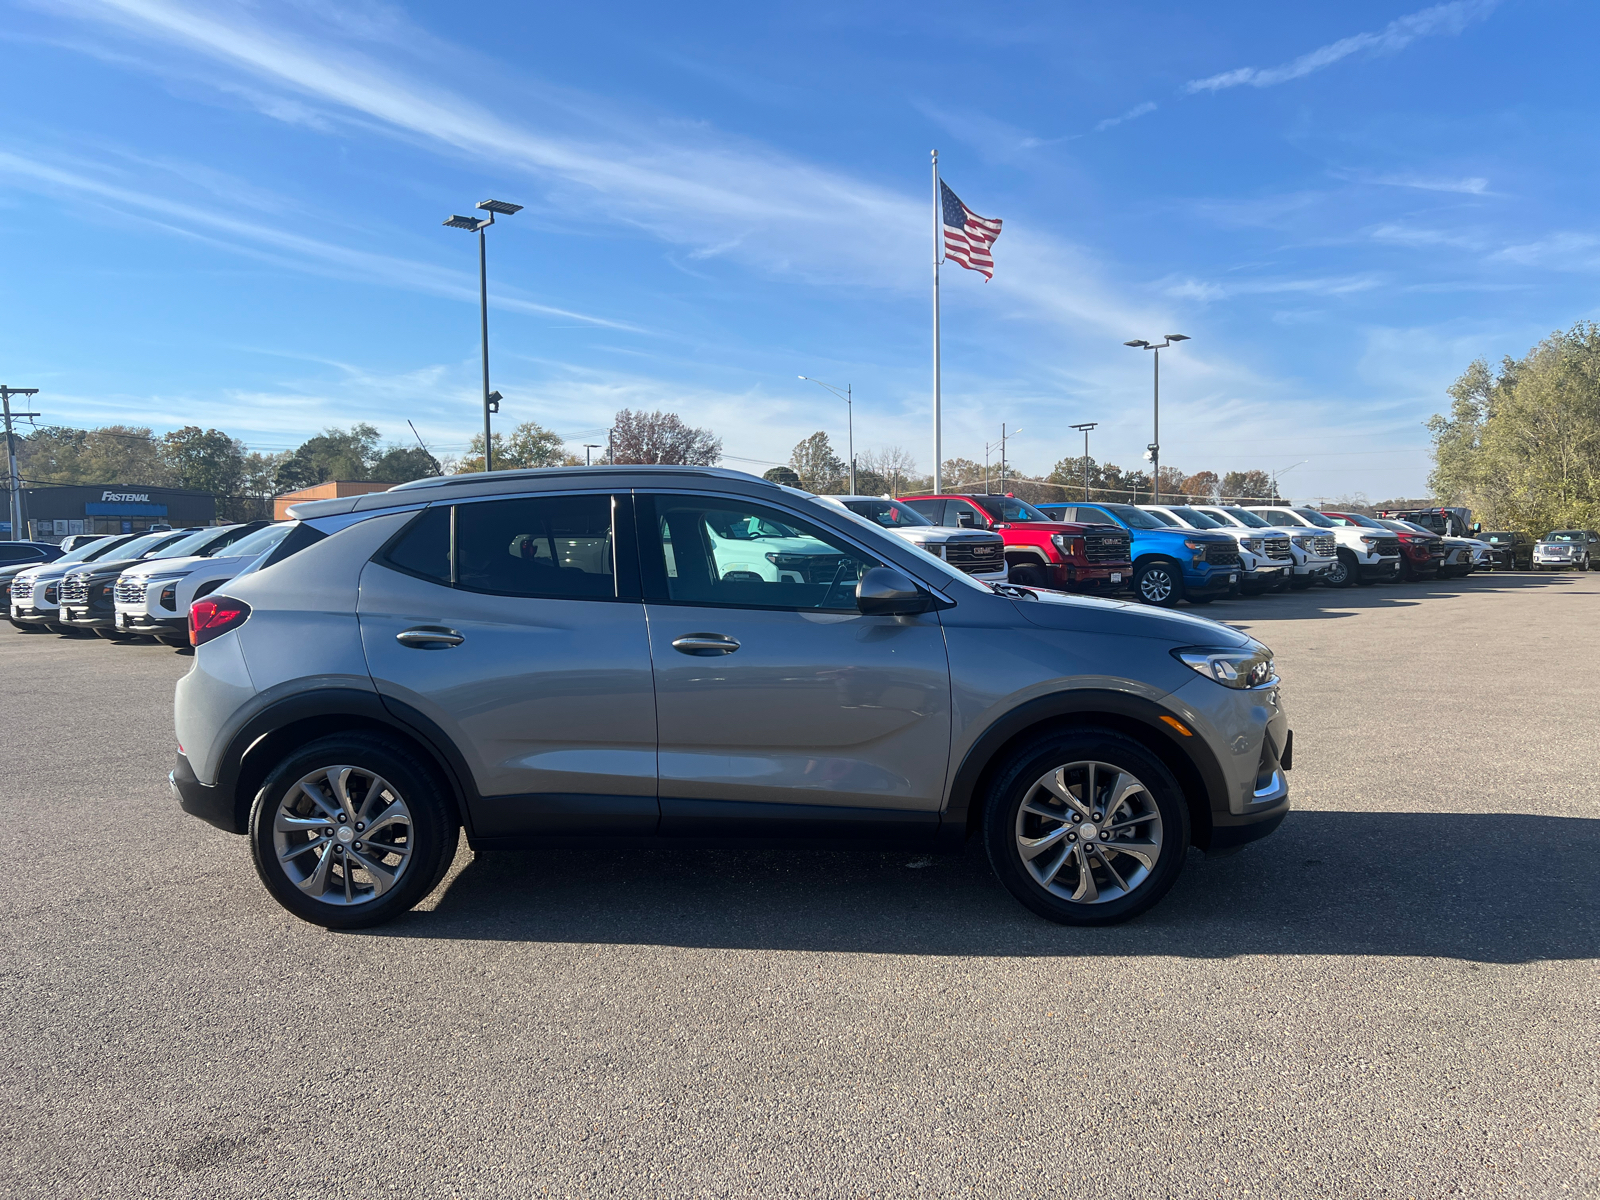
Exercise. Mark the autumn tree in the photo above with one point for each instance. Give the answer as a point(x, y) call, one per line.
point(662, 437)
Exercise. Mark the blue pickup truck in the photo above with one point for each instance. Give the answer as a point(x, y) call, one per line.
point(1168, 564)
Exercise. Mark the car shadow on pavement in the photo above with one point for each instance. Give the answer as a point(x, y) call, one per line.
point(1491, 888)
point(1320, 602)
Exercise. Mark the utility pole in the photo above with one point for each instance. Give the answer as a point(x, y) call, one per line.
point(1003, 436)
point(13, 477)
point(1086, 426)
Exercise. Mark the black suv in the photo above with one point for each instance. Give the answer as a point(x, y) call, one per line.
point(1510, 550)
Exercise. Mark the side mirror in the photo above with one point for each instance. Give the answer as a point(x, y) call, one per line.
point(965, 521)
point(885, 592)
point(1477, 527)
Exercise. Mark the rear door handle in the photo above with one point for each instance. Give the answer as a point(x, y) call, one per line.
point(429, 637)
point(704, 644)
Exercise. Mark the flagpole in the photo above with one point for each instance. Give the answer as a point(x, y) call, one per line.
point(938, 448)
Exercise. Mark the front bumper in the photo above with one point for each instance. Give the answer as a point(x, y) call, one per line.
point(34, 616)
point(1382, 568)
point(1211, 583)
point(1072, 578)
point(87, 618)
point(198, 800)
point(141, 622)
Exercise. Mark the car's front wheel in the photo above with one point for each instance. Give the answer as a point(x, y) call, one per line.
point(1158, 583)
point(1343, 572)
point(351, 830)
point(1086, 827)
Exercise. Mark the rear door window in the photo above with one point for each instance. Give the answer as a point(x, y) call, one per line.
point(965, 515)
point(932, 509)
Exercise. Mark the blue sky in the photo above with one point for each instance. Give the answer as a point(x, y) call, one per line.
point(229, 214)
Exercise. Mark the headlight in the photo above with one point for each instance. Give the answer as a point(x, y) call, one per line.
point(1067, 544)
point(1231, 668)
point(1308, 542)
point(1252, 544)
point(1368, 541)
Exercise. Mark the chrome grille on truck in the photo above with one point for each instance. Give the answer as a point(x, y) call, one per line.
point(1277, 548)
point(975, 555)
point(21, 591)
point(1325, 545)
point(131, 591)
point(75, 589)
point(1106, 547)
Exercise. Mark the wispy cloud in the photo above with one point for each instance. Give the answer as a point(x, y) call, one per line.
point(1207, 290)
point(1133, 114)
point(266, 242)
point(1440, 20)
point(1473, 185)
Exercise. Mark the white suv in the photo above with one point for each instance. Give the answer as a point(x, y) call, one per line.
point(1308, 564)
point(1364, 555)
point(981, 553)
point(153, 597)
point(1263, 560)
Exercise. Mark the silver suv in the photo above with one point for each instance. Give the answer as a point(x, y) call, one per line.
point(572, 653)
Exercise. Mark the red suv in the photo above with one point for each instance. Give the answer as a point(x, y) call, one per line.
point(1066, 556)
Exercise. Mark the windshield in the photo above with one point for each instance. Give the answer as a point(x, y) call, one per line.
point(1565, 535)
point(1315, 518)
point(1358, 520)
point(260, 541)
point(1009, 508)
point(1247, 518)
point(191, 545)
point(1196, 518)
point(137, 547)
point(90, 551)
point(888, 513)
point(1133, 518)
point(1496, 539)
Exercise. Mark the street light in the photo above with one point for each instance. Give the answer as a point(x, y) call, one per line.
point(491, 401)
point(588, 446)
point(1154, 449)
point(850, 418)
point(1086, 426)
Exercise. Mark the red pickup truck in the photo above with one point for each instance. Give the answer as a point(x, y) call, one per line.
point(1063, 555)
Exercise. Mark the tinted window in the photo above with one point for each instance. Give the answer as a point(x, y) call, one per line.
point(1164, 518)
point(1197, 518)
point(16, 554)
point(556, 546)
point(1063, 512)
point(932, 509)
point(194, 543)
point(965, 516)
point(1315, 517)
point(1133, 518)
point(726, 552)
point(423, 547)
point(891, 514)
point(1246, 518)
point(1009, 508)
point(260, 541)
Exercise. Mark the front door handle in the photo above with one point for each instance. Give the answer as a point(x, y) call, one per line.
point(704, 643)
point(429, 637)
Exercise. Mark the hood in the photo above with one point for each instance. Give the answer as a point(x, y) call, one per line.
point(111, 566)
point(943, 534)
point(53, 570)
point(1123, 618)
point(1075, 528)
point(151, 566)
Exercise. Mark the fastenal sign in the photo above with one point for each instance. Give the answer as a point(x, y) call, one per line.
point(125, 497)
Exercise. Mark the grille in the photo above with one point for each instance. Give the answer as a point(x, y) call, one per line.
point(1277, 548)
point(1106, 547)
point(1325, 545)
point(131, 591)
point(975, 556)
point(21, 591)
point(1390, 546)
point(1223, 556)
point(75, 589)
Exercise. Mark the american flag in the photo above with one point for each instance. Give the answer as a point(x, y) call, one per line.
point(967, 236)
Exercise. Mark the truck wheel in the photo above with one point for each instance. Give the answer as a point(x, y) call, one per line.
point(352, 830)
point(1584, 564)
point(1344, 571)
point(1086, 827)
point(1027, 577)
point(1158, 583)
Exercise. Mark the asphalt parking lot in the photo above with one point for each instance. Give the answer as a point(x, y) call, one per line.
point(1396, 995)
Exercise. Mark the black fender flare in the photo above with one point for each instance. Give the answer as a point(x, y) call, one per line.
point(1190, 759)
point(256, 745)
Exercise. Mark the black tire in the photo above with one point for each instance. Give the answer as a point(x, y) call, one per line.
point(1027, 577)
point(1584, 565)
point(1201, 599)
point(431, 830)
point(1344, 571)
point(1159, 800)
point(1159, 583)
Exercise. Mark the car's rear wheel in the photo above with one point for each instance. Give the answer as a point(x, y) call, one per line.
point(1158, 583)
point(352, 830)
point(1086, 827)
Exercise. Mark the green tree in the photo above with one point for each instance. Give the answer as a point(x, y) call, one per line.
point(1247, 486)
point(783, 475)
point(127, 454)
point(529, 445)
point(401, 464)
point(819, 468)
point(206, 460)
point(1521, 447)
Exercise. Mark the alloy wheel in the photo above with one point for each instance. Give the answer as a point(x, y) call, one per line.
point(1089, 832)
point(343, 835)
point(1156, 585)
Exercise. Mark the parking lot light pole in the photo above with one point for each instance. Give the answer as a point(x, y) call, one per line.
point(1155, 442)
point(850, 423)
point(1086, 426)
point(587, 447)
point(477, 225)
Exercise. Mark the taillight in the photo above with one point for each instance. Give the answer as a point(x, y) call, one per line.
point(214, 616)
